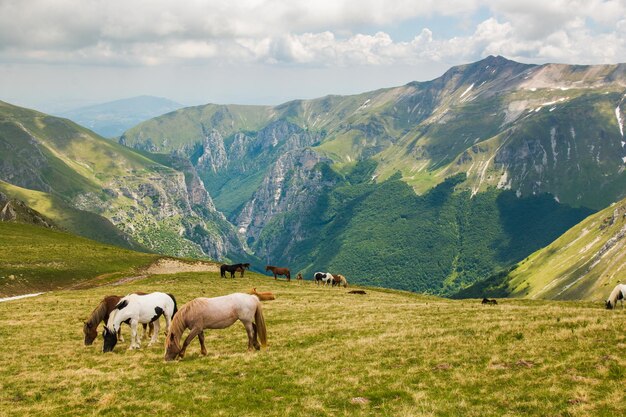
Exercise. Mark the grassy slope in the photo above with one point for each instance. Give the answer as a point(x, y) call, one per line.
point(584, 263)
point(383, 234)
point(402, 354)
point(80, 222)
point(34, 258)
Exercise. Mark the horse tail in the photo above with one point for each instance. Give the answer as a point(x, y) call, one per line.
point(260, 324)
point(175, 306)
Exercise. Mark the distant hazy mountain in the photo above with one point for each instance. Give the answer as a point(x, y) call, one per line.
point(113, 118)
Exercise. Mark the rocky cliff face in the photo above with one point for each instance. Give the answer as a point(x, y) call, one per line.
point(164, 209)
point(293, 182)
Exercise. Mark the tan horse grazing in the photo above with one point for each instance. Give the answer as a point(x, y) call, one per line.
point(299, 277)
point(101, 314)
point(263, 296)
point(279, 271)
point(215, 313)
point(340, 280)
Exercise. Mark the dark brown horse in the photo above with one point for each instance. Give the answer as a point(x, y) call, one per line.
point(101, 314)
point(488, 301)
point(242, 269)
point(279, 271)
point(232, 269)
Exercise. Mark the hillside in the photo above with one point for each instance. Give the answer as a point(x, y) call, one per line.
point(164, 209)
point(585, 263)
point(285, 176)
point(534, 129)
point(329, 353)
point(111, 119)
point(35, 258)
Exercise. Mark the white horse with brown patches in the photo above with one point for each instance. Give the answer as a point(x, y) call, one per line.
point(215, 313)
point(618, 293)
point(134, 309)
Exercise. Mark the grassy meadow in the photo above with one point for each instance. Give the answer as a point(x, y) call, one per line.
point(34, 259)
point(329, 353)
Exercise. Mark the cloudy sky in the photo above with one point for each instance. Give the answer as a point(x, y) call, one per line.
point(58, 54)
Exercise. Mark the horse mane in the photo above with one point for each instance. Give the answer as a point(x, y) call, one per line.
point(100, 312)
point(262, 296)
point(179, 322)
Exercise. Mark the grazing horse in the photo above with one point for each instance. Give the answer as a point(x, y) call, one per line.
point(299, 277)
point(324, 277)
point(215, 313)
point(101, 313)
point(242, 268)
point(232, 269)
point(340, 280)
point(279, 271)
point(139, 309)
point(488, 301)
point(618, 293)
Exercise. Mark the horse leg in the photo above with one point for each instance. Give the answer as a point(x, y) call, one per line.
point(251, 333)
point(134, 343)
point(255, 339)
point(274, 275)
point(120, 338)
point(203, 351)
point(168, 321)
point(144, 333)
point(155, 335)
point(192, 333)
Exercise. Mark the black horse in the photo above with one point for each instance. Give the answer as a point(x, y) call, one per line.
point(232, 269)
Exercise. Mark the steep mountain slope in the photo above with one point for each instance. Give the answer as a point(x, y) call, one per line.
point(163, 209)
point(550, 131)
point(113, 118)
point(68, 218)
point(16, 211)
point(584, 263)
point(534, 129)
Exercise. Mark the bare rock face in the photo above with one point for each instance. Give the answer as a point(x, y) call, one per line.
point(14, 210)
point(213, 156)
point(293, 182)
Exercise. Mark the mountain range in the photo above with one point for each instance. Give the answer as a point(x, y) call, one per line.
point(111, 119)
point(431, 186)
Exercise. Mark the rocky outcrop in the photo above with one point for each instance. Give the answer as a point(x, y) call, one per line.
point(14, 210)
point(292, 183)
point(213, 154)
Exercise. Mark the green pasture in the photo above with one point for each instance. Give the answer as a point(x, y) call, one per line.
point(387, 353)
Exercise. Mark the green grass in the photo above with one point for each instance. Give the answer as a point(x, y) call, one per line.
point(330, 353)
point(586, 262)
point(34, 258)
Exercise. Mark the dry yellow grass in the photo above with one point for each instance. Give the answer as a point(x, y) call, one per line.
point(329, 353)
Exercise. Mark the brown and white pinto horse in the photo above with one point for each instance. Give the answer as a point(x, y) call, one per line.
point(279, 271)
point(101, 314)
point(340, 280)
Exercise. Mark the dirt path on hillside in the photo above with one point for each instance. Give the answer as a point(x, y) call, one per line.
point(166, 266)
point(174, 266)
